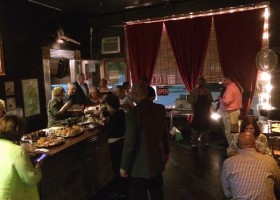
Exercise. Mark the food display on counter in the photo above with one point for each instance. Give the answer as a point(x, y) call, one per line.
point(34, 136)
point(93, 110)
point(49, 141)
point(54, 136)
point(69, 131)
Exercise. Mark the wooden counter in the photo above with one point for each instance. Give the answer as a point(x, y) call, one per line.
point(78, 168)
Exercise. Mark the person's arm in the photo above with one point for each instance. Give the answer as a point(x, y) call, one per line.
point(65, 107)
point(225, 182)
point(27, 172)
point(209, 96)
point(228, 96)
point(275, 171)
point(191, 97)
point(130, 142)
point(166, 135)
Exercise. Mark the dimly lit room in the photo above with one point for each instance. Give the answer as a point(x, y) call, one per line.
point(139, 99)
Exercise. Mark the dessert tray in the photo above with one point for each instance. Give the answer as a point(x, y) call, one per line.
point(49, 141)
point(69, 131)
point(34, 136)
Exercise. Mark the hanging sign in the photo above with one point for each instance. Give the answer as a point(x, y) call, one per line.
point(162, 90)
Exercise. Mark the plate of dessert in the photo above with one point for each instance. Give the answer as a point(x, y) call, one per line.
point(49, 141)
point(34, 136)
point(69, 131)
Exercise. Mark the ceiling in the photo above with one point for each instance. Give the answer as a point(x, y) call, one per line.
point(102, 7)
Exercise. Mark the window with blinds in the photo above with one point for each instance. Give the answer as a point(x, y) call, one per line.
point(167, 72)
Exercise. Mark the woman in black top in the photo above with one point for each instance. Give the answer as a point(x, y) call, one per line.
point(115, 127)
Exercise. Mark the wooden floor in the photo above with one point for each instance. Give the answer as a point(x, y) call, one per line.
point(191, 174)
point(194, 174)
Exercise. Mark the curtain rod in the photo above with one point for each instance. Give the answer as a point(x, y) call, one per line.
point(201, 13)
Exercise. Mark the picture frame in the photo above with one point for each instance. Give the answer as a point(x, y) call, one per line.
point(2, 67)
point(31, 100)
point(9, 88)
point(11, 104)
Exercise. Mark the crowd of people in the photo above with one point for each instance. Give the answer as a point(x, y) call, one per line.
point(138, 139)
point(129, 130)
point(249, 171)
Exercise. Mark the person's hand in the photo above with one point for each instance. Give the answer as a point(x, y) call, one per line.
point(39, 164)
point(123, 173)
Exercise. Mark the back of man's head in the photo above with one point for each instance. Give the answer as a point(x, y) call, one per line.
point(140, 91)
point(144, 79)
point(246, 140)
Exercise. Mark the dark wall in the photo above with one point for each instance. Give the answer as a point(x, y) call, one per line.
point(25, 29)
point(105, 26)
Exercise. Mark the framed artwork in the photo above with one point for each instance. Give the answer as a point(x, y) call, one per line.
point(9, 88)
point(11, 104)
point(30, 97)
point(2, 69)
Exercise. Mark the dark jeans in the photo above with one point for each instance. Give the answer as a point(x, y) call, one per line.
point(116, 155)
point(139, 188)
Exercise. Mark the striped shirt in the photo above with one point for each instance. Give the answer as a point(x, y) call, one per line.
point(250, 176)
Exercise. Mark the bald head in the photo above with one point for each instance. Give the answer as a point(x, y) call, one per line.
point(246, 140)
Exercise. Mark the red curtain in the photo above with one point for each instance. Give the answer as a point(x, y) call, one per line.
point(189, 40)
point(143, 41)
point(239, 38)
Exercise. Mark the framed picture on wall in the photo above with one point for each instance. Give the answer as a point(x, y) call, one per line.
point(2, 69)
point(9, 88)
point(30, 97)
point(11, 104)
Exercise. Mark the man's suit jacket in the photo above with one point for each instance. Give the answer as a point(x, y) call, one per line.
point(146, 143)
point(82, 98)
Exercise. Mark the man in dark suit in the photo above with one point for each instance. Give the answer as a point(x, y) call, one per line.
point(146, 146)
point(82, 90)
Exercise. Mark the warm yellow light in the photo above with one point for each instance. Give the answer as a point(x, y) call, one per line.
point(265, 76)
point(60, 41)
point(268, 87)
point(266, 106)
point(266, 13)
point(215, 116)
point(265, 35)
